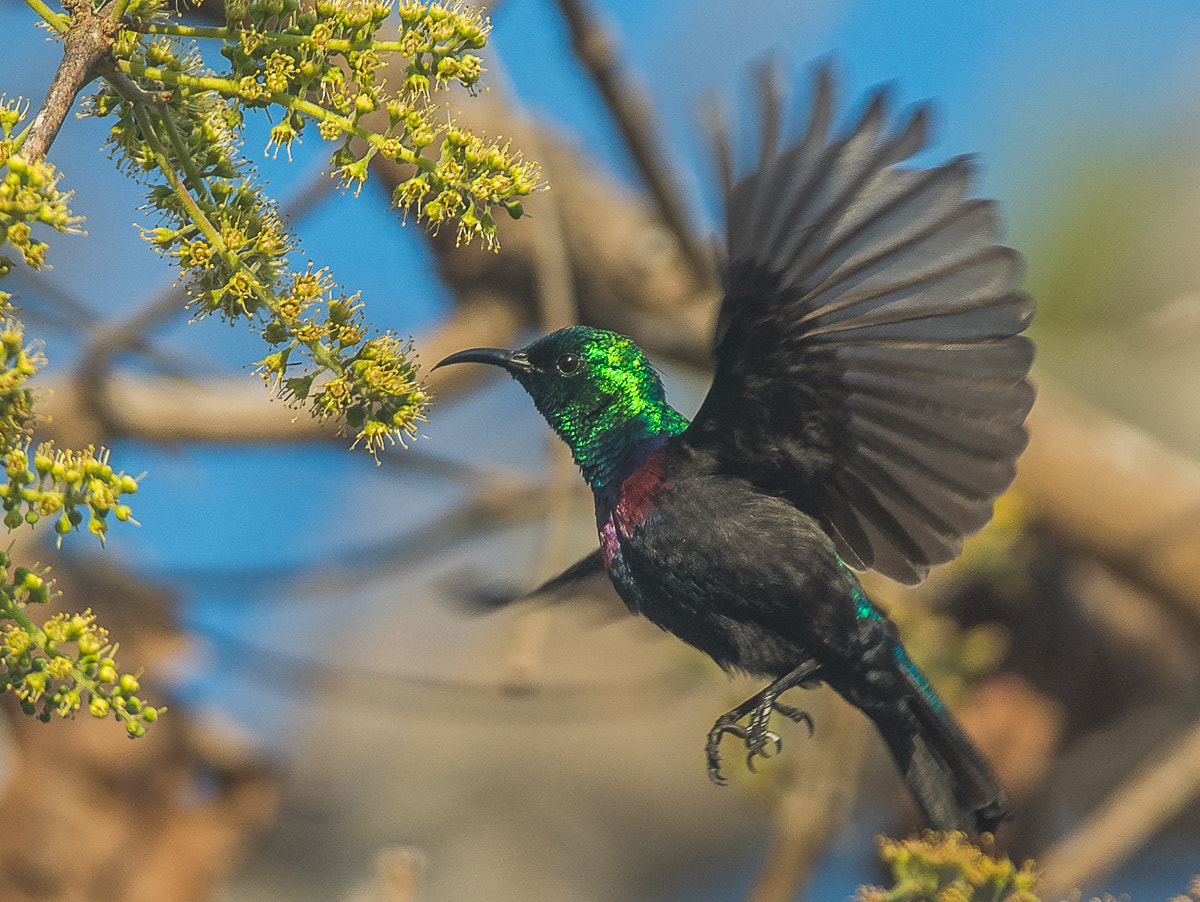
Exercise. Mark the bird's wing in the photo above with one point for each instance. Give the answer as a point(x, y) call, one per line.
point(557, 588)
point(591, 564)
point(869, 366)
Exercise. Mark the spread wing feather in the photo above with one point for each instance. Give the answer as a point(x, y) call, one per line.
point(870, 366)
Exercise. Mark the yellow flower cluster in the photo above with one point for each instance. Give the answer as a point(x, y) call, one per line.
point(947, 867)
point(66, 663)
point(316, 64)
point(319, 64)
point(18, 362)
point(470, 177)
point(67, 483)
point(375, 392)
point(29, 195)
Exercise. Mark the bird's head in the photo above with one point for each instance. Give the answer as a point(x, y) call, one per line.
point(595, 388)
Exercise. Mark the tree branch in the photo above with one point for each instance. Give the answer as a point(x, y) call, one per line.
point(236, 410)
point(1115, 494)
point(1129, 818)
point(595, 50)
point(88, 42)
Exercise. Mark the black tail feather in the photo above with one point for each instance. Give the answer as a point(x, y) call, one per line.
point(948, 777)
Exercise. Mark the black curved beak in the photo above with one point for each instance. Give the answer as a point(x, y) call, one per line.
point(513, 361)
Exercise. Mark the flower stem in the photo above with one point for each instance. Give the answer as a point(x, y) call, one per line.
point(57, 21)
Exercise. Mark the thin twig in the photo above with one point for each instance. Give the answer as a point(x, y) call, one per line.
point(595, 50)
point(127, 87)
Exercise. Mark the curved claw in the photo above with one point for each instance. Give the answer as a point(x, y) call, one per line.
point(771, 736)
point(760, 749)
point(714, 740)
point(797, 716)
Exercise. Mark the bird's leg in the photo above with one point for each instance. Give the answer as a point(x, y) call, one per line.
point(755, 734)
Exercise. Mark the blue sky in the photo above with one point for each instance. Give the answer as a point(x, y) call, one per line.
point(1005, 75)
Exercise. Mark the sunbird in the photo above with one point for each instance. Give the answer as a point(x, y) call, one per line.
point(867, 407)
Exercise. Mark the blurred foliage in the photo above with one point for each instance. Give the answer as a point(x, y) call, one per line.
point(1111, 238)
point(993, 554)
point(953, 657)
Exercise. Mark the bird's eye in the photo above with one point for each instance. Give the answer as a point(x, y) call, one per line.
point(568, 364)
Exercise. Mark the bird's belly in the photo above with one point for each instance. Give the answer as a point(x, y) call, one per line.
point(676, 596)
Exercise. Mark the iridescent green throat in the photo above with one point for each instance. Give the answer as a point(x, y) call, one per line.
point(613, 407)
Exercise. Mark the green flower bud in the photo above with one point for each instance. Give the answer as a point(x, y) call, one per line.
point(274, 333)
point(68, 702)
point(56, 630)
point(89, 644)
point(300, 386)
point(35, 684)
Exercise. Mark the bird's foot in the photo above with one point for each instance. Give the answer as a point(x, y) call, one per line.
point(760, 742)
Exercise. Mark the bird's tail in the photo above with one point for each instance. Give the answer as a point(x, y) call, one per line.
point(952, 783)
